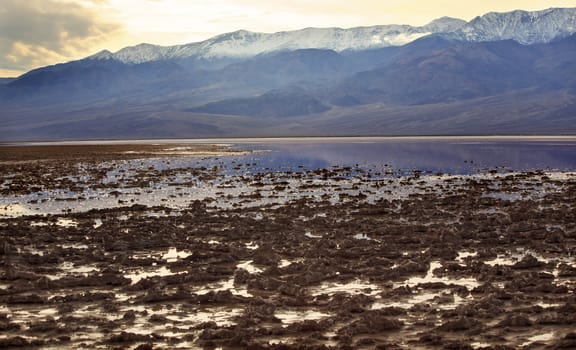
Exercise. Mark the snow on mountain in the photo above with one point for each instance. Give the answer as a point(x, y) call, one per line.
point(248, 44)
point(524, 27)
point(243, 43)
point(445, 25)
point(102, 55)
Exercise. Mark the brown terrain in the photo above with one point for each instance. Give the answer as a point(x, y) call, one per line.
point(98, 249)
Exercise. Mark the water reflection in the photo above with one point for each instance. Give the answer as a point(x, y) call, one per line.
point(246, 180)
point(454, 155)
point(434, 155)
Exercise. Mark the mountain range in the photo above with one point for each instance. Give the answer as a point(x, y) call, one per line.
point(500, 73)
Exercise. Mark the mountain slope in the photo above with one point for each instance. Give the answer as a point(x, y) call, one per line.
point(465, 70)
point(87, 79)
point(463, 79)
point(521, 26)
point(527, 111)
point(270, 104)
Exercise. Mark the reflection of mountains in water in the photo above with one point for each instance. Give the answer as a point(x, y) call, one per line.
point(428, 155)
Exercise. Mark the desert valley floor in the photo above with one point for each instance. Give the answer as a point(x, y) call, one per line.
point(147, 247)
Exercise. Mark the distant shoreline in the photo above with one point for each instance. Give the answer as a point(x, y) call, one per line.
point(240, 140)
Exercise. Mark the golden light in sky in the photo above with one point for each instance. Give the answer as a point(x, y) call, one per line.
point(190, 20)
point(40, 32)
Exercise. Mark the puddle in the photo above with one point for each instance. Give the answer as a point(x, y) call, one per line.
point(138, 275)
point(503, 260)
point(63, 222)
point(513, 257)
point(14, 210)
point(463, 255)
point(284, 263)
point(363, 236)
point(69, 269)
point(248, 266)
point(292, 316)
point(174, 255)
point(39, 224)
point(32, 251)
point(252, 245)
point(539, 338)
point(281, 342)
point(443, 300)
point(25, 317)
point(121, 297)
point(147, 255)
point(355, 287)
point(546, 305)
point(190, 316)
point(311, 235)
point(170, 256)
point(470, 283)
point(222, 316)
point(97, 223)
point(78, 246)
point(227, 285)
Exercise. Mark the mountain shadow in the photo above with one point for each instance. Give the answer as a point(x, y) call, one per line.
point(270, 104)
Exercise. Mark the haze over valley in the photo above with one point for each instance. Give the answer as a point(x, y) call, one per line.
point(246, 190)
point(500, 73)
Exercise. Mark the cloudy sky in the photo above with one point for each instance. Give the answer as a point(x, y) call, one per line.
point(35, 33)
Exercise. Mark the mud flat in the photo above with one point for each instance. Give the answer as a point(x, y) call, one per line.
point(137, 248)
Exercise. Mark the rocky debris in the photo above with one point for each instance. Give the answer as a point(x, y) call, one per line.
point(446, 267)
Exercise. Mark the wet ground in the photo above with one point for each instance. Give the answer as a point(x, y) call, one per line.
point(149, 247)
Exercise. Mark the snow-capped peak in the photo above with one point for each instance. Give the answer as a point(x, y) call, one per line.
point(242, 44)
point(102, 55)
point(445, 25)
point(522, 26)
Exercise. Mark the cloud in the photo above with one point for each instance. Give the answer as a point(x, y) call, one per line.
point(366, 12)
point(40, 32)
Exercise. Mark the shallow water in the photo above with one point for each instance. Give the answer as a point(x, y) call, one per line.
point(233, 181)
point(403, 155)
point(292, 316)
point(455, 155)
point(286, 170)
point(539, 338)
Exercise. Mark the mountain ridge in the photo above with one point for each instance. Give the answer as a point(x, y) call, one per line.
point(544, 26)
point(441, 83)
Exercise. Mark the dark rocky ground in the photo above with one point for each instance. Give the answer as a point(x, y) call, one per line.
point(469, 262)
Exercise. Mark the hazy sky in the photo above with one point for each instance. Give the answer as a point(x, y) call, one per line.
point(35, 33)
